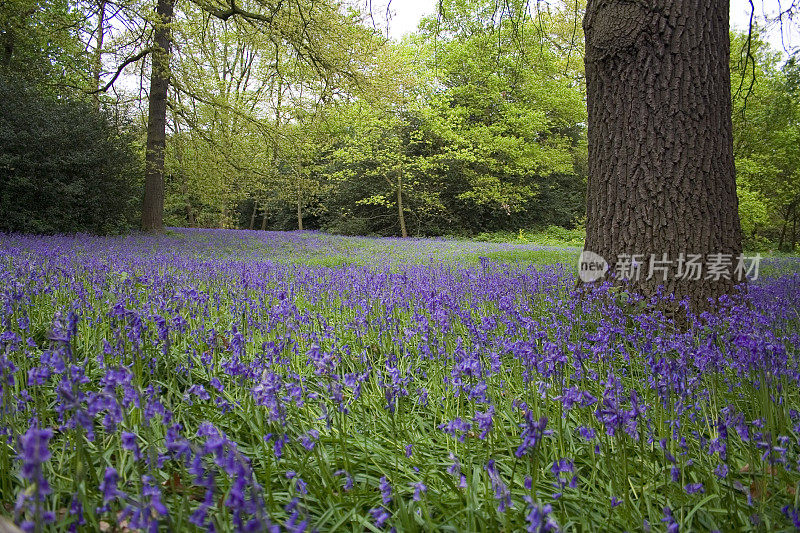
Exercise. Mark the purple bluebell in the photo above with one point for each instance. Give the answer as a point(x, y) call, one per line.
point(386, 491)
point(380, 516)
point(501, 492)
point(419, 489)
point(533, 432)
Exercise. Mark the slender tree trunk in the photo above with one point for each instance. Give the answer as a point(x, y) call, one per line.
point(299, 215)
point(789, 216)
point(153, 204)
point(275, 145)
point(97, 67)
point(794, 231)
point(783, 233)
point(661, 170)
point(185, 190)
point(299, 204)
point(253, 215)
point(401, 217)
point(8, 46)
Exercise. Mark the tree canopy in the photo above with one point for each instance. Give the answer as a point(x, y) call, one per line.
point(302, 114)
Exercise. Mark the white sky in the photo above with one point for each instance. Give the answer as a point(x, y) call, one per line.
point(406, 14)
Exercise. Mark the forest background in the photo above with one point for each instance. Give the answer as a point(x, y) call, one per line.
point(472, 125)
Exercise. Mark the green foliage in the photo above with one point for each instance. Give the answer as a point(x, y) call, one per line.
point(250, 124)
point(40, 42)
point(515, 117)
point(65, 166)
point(754, 215)
point(766, 119)
point(481, 127)
point(548, 236)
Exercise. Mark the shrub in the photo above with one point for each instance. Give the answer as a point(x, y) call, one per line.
point(64, 166)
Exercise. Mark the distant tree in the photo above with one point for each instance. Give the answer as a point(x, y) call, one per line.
point(375, 171)
point(766, 129)
point(477, 123)
point(221, 74)
point(513, 104)
point(318, 33)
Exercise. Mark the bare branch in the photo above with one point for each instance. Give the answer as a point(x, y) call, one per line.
point(124, 64)
point(748, 59)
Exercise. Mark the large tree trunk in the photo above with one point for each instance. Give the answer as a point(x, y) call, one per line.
point(153, 204)
point(661, 171)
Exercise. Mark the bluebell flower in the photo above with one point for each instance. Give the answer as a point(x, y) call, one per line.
point(419, 489)
point(348, 479)
point(538, 518)
point(532, 433)
point(484, 421)
point(309, 439)
point(380, 516)
point(386, 491)
point(34, 452)
point(694, 488)
point(129, 442)
point(669, 519)
point(501, 492)
point(456, 428)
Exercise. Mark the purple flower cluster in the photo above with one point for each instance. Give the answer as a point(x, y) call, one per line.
point(246, 379)
point(34, 452)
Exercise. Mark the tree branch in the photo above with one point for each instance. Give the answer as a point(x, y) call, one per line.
point(748, 59)
point(233, 10)
point(132, 59)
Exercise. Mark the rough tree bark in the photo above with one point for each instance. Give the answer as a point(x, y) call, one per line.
point(661, 170)
point(153, 204)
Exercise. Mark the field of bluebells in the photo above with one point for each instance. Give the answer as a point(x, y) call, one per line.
point(227, 381)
